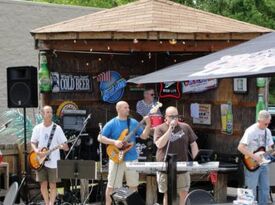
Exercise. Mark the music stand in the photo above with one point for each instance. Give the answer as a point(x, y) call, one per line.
point(203, 155)
point(76, 169)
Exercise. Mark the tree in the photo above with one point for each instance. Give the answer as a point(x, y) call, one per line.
point(259, 12)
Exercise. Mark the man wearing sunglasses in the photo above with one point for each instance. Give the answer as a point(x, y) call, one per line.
point(256, 136)
point(174, 137)
point(144, 106)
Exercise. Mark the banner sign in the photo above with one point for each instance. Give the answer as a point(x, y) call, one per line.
point(70, 82)
point(112, 91)
point(196, 86)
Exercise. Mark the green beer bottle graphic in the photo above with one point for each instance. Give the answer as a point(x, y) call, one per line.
point(260, 105)
point(44, 75)
point(229, 119)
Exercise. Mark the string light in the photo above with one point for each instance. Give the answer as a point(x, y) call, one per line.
point(74, 41)
point(183, 42)
point(175, 60)
point(149, 55)
point(135, 41)
point(160, 42)
point(99, 59)
point(91, 50)
point(142, 61)
point(87, 64)
point(173, 41)
point(108, 48)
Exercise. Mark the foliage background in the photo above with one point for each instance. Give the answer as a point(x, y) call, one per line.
point(260, 12)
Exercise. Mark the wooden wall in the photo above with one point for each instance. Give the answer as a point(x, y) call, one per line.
point(141, 63)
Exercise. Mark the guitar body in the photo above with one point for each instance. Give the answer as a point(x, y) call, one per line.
point(116, 154)
point(250, 163)
point(36, 162)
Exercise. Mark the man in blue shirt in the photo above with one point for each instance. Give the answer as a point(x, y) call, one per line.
point(110, 135)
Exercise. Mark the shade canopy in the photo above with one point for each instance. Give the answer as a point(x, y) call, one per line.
point(254, 57)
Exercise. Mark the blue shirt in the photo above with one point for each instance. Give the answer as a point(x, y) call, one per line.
point(115, 127)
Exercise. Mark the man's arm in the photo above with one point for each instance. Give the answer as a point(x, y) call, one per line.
point(107, 141)
point(244, 150)
point(162, 141)
point(194, 149)
point(147, 129)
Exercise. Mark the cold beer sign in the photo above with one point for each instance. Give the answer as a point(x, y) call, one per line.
point(70, 82)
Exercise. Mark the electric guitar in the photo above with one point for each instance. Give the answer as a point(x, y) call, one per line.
point(252, 165)
point(117, 154)
point(36, 162)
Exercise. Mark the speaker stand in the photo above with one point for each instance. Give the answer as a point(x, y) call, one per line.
point(26, 173)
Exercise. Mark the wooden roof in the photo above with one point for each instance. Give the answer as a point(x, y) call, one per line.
point(148, 19)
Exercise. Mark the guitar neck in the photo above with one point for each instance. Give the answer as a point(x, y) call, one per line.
point(127, 138)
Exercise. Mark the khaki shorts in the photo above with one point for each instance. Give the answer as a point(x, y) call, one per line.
point(183, 182)
point(47, 174)
point(116, 174)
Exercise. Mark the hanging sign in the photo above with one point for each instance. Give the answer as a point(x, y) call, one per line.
point(196, 86)
point(201, 114)
point(170, 90)
point(70, 82)
point(112, 90)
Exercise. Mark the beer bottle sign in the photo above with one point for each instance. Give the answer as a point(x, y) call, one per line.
point(260, 105)
point(44, 75)
point(229, 119)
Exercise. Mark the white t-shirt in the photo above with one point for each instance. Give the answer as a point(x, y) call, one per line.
point(254, 137)
point(41, 135)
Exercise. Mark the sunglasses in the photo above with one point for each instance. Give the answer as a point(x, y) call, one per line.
point(173, 116)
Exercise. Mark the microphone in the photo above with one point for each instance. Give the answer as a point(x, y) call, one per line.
point(87, 119)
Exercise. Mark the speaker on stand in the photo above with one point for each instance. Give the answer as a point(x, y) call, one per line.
point(22, 93)
point(22, 87)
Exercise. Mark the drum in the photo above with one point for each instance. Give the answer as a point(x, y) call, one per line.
point(156, 120)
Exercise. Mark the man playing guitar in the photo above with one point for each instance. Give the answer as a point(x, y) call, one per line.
point(255, 136)
point(40, 139)
point(110, 135)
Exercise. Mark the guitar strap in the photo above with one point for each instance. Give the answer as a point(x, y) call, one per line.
point(265, 137)
point(51, 135)
point(128, 124)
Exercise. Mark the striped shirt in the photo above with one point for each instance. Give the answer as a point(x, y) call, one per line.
point(143, 108)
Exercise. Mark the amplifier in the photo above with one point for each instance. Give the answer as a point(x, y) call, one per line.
point(124, 196)
point(73, 119)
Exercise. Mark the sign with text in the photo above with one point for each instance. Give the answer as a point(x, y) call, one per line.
point(204, 115)
point(70, 82)
point(170, 90)
point(196, 86)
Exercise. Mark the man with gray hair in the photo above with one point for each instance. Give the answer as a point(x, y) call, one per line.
point(256, 136)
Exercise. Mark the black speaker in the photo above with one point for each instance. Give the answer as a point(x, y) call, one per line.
point(124, 196)
point(22, 87)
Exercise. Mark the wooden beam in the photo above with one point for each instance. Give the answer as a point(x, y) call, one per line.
point(144, 35)
point(130, 46)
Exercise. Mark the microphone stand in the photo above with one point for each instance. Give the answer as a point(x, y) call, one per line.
point(77, 138)
point(100, 161)
point(71, 148)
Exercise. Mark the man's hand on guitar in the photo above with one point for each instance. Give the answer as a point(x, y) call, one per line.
point(118, 143)
point(257, 158)
point(41, 154)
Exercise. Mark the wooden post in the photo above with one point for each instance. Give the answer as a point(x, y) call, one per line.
point(220, 188)
point(84, 189)
point(151, 190)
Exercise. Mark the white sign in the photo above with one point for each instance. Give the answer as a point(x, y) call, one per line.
point(196, 86)
point(70, 82)
point(204, 115)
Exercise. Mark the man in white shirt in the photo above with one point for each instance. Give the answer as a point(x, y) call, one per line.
point(40, 138)
point(256, 136)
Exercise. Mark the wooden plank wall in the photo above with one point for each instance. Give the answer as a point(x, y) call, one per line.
point(140, 63)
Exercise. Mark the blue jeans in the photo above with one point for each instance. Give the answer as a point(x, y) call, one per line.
point(259, 178)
